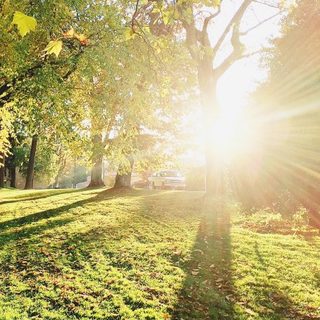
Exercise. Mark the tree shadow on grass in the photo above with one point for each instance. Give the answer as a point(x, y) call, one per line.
point(207, 292)
point(6, 234)
point(38, 195)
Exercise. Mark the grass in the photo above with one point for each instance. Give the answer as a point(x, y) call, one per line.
point(92, 254)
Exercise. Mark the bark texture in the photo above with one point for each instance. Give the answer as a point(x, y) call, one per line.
point(32, 159)
point(2, 170)
point(123, 178)
point(97, 158)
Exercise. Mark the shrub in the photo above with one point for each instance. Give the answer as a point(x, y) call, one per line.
point(267, 220)
point(300, 218)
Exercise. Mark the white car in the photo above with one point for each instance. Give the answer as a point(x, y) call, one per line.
point(163, 179)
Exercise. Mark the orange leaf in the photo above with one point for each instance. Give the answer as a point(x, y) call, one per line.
point(82, 39)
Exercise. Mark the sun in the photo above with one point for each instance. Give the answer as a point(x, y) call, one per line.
point(233, 135)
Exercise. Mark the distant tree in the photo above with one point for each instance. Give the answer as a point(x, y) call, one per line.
point(42, 45)
point(288, 104)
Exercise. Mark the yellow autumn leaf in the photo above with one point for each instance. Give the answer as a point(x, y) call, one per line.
point(54, 47)
point(24, 23)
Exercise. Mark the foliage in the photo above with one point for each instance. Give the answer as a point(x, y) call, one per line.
point(45, 165)
point(269, 221)
point(33, 83)
point(288, 101)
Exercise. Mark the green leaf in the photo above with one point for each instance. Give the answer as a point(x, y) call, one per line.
point(54, 47)
point(24, 23)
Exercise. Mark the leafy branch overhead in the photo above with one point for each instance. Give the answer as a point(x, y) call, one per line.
point(55, 46)
point(26, 24)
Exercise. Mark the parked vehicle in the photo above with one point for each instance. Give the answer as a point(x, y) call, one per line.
point(171, 179)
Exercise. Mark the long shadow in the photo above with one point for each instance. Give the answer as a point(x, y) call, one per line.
point(39, 216)
point(34, 196)
point(207, 292)
point(5, 226)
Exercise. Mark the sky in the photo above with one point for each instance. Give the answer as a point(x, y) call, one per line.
point(244, 75)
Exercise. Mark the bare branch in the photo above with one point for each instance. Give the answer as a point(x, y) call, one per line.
point(253, 53)
point(236, 19)
point(208, 19)
point(134, 16)
point(260, 23)
point(233, 57)
point(268, 4)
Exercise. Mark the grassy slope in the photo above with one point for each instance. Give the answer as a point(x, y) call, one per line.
point(147, 255)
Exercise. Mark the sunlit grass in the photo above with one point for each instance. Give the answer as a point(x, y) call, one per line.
point(93, 254)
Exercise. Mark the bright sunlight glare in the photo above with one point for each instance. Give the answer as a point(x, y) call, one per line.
point(233, 136)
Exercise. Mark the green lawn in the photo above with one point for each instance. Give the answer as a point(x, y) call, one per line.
point(92, 254)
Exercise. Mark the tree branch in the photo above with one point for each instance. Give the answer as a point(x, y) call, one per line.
point(235, 56)
point(135, 13)
point(271, 5)
point(236, 19)
point(260, 23)
point(208, 19)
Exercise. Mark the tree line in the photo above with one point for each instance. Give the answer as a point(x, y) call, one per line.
point(77, 83)
point(80, 81)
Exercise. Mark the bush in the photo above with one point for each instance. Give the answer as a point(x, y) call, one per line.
point(300, 218)
point(267, 220)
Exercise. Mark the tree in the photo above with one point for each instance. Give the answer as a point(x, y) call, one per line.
point(289, 100)
point(122, 96)
point(191, 21)
point(34, 67)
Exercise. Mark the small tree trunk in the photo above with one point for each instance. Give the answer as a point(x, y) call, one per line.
point(32, 158)
point(123, 180)
point(13, 176)
point(56, 181)
point(2, 170)
point(97, 158)
point(12, 164)
point(62, 164)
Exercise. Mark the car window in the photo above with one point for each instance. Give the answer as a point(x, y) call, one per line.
point(170, 173)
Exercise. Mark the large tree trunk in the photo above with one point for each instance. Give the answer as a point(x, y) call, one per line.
point(97, 159)
point(210, 108)
point(2, 170)
point(123, 178)
point(32, 158)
